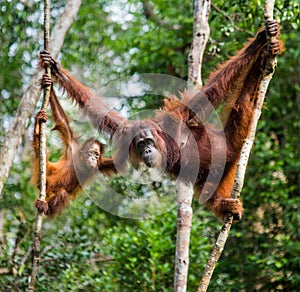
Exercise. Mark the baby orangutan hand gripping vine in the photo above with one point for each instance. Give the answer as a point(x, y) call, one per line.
point(78, 164)
point(235, 85)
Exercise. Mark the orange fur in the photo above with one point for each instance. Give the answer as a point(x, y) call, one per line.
point(63, 180)
point(233, 85)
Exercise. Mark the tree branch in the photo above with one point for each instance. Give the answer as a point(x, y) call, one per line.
point(185, 191)
point(43, 153)
point(184, 223)
point(43, 157)
point(243, 161)
point(31, 94)
point(200, 36)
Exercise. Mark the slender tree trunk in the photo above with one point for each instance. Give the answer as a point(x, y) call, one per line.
point(31, 95)
point(184, 224)
point(43, 157)
point(185, 191)
point(200, 36)
point(243, 161)
point(43, 154)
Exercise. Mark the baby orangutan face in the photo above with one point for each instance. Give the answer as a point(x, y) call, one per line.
point(91, 155)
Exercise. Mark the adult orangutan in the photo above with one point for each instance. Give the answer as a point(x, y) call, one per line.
point(235, 83)
point(78, 164)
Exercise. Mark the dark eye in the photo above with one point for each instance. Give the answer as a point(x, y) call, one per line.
point(149, 142)
point(141, 144)
point(94, 153)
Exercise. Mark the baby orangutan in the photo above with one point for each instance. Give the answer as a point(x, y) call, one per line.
point(214, 157)
point(78, 164)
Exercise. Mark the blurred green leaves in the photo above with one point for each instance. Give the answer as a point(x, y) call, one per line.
point(88, 249)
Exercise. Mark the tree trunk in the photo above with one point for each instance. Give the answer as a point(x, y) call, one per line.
point(200, 36)
point(184, 223)
point(243, 161)
point(185, 191)
point(31, 95)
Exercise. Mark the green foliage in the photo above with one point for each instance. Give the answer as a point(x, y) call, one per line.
point(14, 55)
point(87, 249)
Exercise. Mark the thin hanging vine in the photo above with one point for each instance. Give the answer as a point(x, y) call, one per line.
point(43, 156)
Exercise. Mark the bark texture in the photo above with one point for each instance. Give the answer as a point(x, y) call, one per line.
point(31, 95)
point(243, 161)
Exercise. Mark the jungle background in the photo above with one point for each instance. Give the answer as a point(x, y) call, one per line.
point(89, 249)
